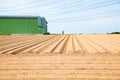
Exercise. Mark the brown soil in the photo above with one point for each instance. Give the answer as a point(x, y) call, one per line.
point(60, 57)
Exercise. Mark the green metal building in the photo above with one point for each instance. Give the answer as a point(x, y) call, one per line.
point(23, 25)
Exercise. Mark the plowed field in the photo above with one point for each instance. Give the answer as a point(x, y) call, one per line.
point(60, 57)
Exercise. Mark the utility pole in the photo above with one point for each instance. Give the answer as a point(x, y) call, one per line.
point(62, 32)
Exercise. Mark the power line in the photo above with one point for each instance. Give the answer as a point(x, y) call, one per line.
point(32, 6)
point(108, 12)
point(71, 6)
point(93, 7)
point(32, 2)
point(82, 18)
point(88, 7)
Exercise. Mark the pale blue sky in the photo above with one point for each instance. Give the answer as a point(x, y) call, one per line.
point(72, 16)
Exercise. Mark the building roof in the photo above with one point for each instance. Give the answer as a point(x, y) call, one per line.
point(23, 17)
point(19, 16)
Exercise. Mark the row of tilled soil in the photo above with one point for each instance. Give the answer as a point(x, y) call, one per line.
point(60, 44)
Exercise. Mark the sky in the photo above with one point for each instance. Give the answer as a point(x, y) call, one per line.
point(70, 16)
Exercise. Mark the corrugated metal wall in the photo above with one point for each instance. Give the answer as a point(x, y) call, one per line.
point(20, 26)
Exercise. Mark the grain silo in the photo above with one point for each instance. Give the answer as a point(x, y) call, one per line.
point(23, 25)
